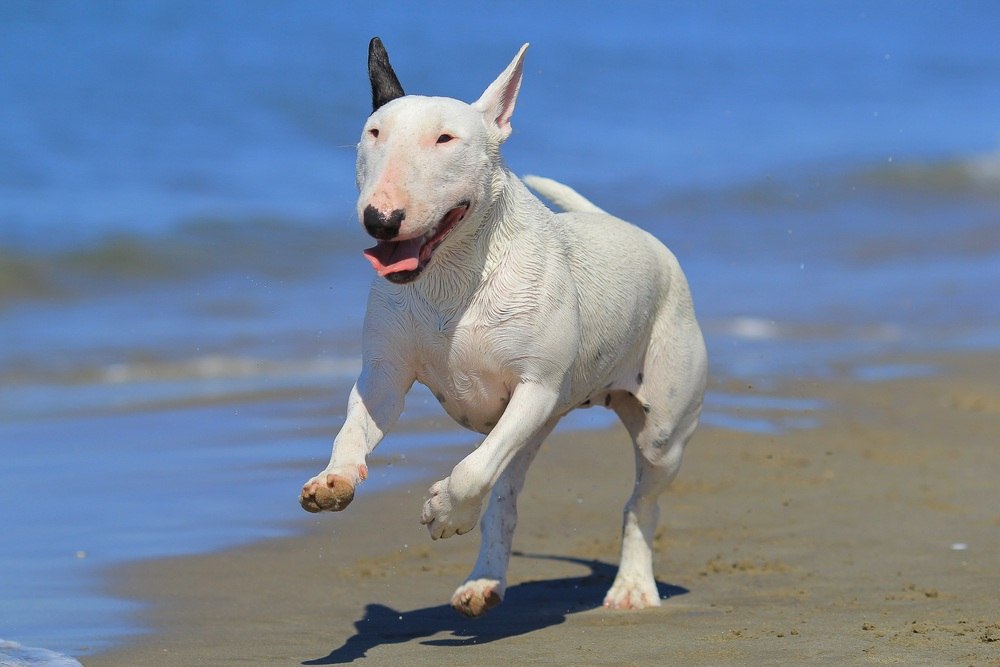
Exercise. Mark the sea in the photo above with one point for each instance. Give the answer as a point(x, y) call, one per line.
point(181, 278)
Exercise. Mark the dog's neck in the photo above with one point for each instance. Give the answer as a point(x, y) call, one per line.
point(467, 260)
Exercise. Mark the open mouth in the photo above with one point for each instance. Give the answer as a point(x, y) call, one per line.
point(402, 261)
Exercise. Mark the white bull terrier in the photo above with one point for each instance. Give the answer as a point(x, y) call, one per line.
point(512, 315)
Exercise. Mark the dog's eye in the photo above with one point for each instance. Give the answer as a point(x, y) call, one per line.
point(445, 138)
point(373, 132)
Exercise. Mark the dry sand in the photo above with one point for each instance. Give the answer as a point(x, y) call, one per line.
point(839, 545)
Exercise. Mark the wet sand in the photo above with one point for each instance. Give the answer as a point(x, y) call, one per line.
point(872, 539)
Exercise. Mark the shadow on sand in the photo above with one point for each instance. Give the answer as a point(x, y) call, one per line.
point(527, 607)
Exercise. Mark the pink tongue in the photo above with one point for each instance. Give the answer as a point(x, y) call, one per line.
point(395, 256)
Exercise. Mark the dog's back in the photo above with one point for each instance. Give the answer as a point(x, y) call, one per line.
point(631, 286)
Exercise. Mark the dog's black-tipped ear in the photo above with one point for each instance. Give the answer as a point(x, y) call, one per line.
point(385, 85)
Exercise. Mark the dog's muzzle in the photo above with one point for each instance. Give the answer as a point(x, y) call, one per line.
point(402, 261)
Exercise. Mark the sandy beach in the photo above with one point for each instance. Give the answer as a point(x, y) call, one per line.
point(872, 539)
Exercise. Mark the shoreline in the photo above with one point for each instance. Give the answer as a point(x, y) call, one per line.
point(871, 538)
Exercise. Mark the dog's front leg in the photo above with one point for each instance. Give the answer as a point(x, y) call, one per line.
point(455, 502)
point(374, 406)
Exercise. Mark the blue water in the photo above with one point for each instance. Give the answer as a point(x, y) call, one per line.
point(181, 285)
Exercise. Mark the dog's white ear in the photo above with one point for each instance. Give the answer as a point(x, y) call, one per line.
point(497, 103)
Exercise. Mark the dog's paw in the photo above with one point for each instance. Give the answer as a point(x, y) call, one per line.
point(476, 597)
point(632, 595)
point(329, 491)
point(445, 516)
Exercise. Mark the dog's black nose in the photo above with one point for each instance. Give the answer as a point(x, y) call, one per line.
point(381, 227)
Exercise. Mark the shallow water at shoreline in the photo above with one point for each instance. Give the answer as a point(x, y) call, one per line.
point(188, 472)
point(160, 480)
point(120, 482)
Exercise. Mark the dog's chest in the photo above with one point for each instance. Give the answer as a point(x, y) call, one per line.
point(464, 365)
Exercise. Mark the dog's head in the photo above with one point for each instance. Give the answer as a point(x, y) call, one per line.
point(426, 164)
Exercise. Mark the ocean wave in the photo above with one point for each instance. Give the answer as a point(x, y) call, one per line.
point(977, 173)
point(845, 210)
point(831, 184)
point(38, 268)
point(749, 328)
point(752, 328)
point(214, 367)
point(184, 372)
point(206, 367)
point(209, 379)
point(24, 277)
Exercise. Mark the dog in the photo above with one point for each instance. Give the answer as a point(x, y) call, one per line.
point(512, 315)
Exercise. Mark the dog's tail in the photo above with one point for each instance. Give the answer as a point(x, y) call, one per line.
point(561, 195)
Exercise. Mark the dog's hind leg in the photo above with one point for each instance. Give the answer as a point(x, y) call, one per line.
point(659, 445)
point(485, 586)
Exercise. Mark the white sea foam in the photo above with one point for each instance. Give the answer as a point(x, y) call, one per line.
point(13, 654)
point(984, 168)
point(753, 328)
point(220, 366)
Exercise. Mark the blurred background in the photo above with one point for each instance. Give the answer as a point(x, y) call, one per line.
point(181, 279)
